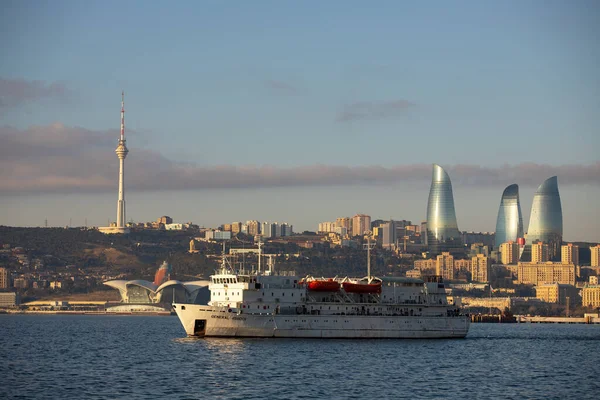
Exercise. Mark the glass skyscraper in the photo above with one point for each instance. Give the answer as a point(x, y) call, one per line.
point(509, 225)
point(545, 223)
point(442, 228)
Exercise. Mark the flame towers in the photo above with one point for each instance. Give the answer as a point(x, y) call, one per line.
point(442, 228)
point(509, 225)
point(545, 223)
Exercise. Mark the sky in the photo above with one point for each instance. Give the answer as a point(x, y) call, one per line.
point(297, 112)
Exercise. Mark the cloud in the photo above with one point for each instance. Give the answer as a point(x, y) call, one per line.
point(281, 87)
point(374, 110)
point(58, 158)
point(16, 92)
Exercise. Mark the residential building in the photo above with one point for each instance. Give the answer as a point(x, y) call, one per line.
point(462, 266)
point(557, 293)
point(548, 272)
point(164, 220)
point(389, 238)
point(236, 227)
point(480, 268)
point(570, 254)
point(442, 229)
point(326, 227)
point(595, 255)
point(4, 279)
point(509, 253)
point(344, 222)
point(540, 253)
point(425, 265)
point(253, 227)
point(361, 223)
point(444, 266)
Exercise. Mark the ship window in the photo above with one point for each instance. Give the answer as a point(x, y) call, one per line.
point(292, 294)
point(283, 294)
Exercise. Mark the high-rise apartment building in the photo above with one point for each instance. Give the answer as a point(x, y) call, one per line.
point(546, 221)
point(509, 224)
point(344, 222)
point(267, 229)
point(480, 268)
point(236, 227)
point(361, 223)
point(595, 255)
point(4, 281)
point(540, 253)
point(445, 266)
point(388, 240)
point(509, 253)
point(569, 254)
point(442, 229)
point(326, 227)
point(253, 227)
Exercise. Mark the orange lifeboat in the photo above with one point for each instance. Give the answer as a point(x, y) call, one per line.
point(362, 287)
point(323, 286)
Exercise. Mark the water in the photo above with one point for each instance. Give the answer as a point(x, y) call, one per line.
point(136, 357)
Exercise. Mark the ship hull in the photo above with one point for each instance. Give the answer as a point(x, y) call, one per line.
point(206, 321)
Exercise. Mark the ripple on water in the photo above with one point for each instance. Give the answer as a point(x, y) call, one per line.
point(108, 357)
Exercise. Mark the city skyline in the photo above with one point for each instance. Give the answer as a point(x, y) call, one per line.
point(267, 106)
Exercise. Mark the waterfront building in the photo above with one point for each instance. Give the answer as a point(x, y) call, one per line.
point(540, 253)
point(509, 252)
point(361, 223)
point(546, 221)
point(480, 268)
point(595, 255)
point(9, 299)
point(557, 293)
point(570, 254)
point(444, 266)
point(442, 229)
point(4, 280)
point(509, 224)
point(590, 296)
point(548, 272)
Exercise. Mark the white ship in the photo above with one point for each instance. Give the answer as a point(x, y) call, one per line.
point(270, 304)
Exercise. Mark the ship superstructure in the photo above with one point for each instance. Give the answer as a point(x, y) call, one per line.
point(271, 304)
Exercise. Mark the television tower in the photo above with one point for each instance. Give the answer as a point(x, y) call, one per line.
point(121, 151)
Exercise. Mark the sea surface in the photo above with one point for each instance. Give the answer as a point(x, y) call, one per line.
point(149, 357)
